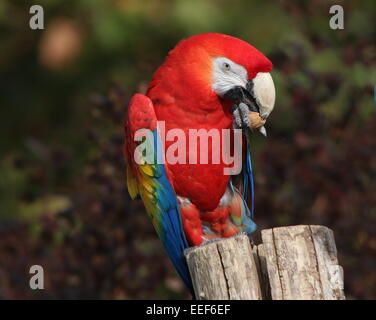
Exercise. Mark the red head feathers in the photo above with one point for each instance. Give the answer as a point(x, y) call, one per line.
point(188, 69)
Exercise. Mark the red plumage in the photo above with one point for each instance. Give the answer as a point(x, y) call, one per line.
point(182, 96)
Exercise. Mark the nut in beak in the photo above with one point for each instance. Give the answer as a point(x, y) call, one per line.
point(255, 119)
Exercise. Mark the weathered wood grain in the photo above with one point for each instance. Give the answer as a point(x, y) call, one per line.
point(259, 255)
point(292, 263)
point(272, 264)
point(331, 273)
point(224, 269)
point(302, 263)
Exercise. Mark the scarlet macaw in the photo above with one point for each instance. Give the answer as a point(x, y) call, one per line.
point(208, 81)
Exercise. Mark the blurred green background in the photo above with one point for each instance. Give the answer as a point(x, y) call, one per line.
point(63, 93)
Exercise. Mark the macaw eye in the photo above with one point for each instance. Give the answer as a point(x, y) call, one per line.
point(226, 66)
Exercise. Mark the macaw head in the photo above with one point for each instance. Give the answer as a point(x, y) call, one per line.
point(242, 74)
point(228, 68)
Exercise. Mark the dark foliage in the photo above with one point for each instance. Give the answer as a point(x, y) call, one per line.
point(63, 198)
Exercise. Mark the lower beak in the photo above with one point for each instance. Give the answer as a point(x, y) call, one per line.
point(243, 95)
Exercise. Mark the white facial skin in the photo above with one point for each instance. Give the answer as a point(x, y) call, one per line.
point(228, 74)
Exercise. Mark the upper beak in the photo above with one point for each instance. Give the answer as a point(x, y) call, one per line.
point(264, 93)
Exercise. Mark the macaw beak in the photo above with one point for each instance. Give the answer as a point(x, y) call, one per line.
point(259, 97)
point(264, 93)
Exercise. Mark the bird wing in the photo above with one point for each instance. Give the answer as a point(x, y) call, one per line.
point(150, 181)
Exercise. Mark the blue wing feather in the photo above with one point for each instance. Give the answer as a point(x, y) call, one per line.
point(171, 227)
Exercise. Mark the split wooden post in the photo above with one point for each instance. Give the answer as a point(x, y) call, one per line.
point(296, 262)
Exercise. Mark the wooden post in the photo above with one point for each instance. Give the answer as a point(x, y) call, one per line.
point(224, 270)
point(297, 262)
